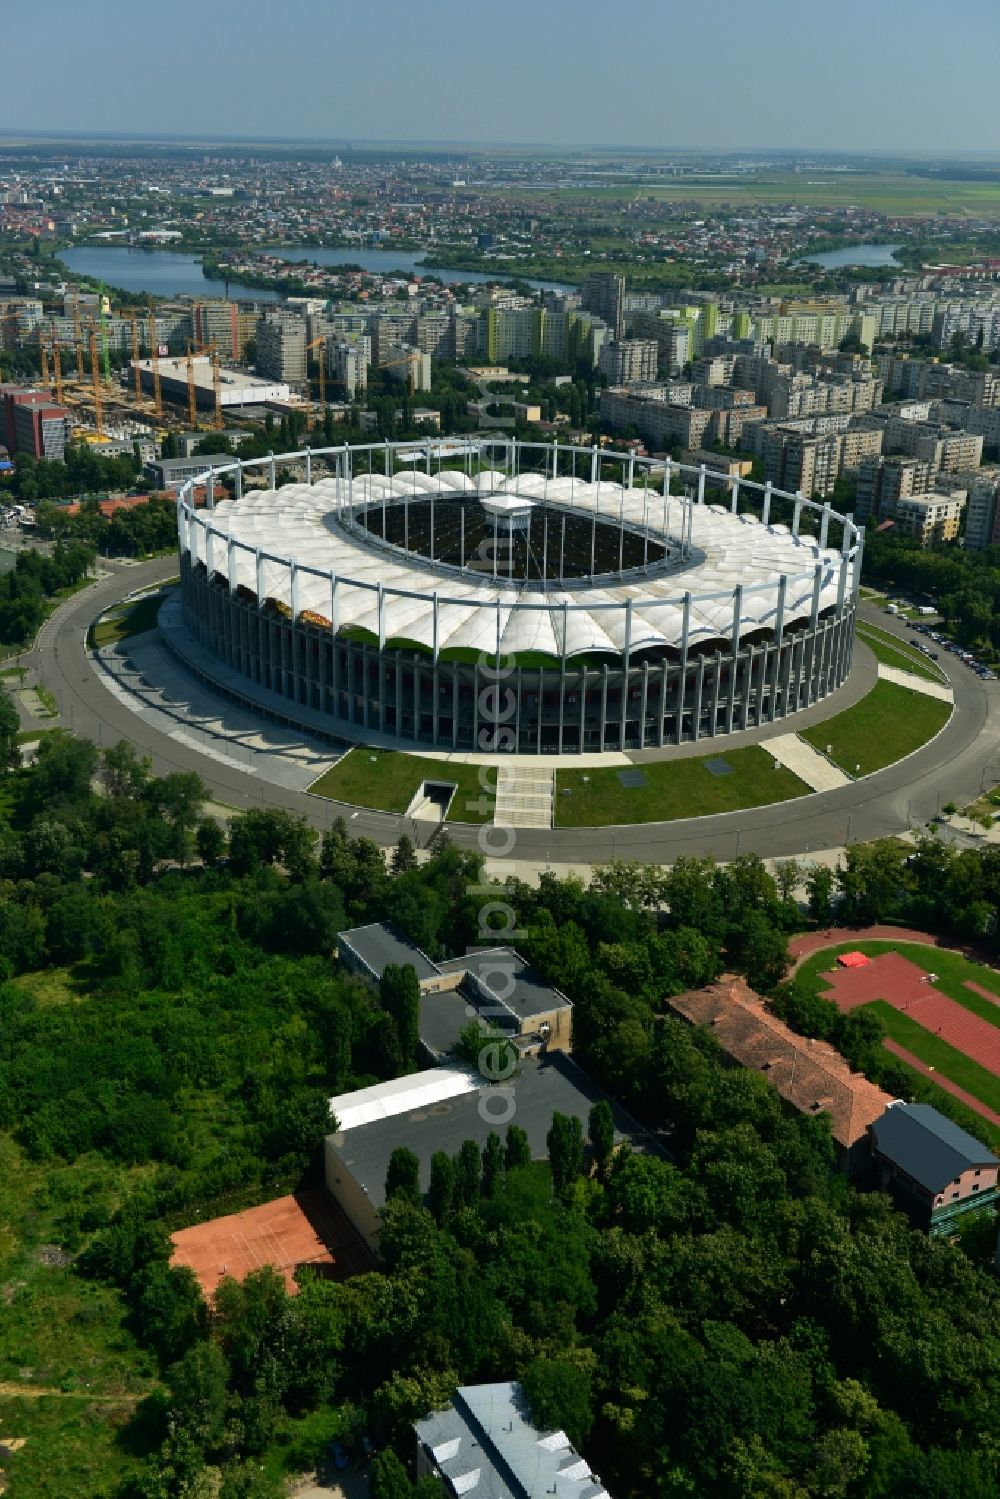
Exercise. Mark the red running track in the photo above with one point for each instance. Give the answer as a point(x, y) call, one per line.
point(904, 986)
point(941, 1081)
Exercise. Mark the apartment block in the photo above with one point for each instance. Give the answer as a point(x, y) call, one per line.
point(883, 482)
point(603, 293)
point(931, 517)
point(33, 423)
point(632, 360)
point(281, 347)
point(657, 421)
point(981, 513)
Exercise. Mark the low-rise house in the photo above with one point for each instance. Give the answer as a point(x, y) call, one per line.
point(809, 1074)
point(485, 1444)
point(935, 1170)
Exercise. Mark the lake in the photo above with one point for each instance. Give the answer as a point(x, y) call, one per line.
point(874, 255)
point(174, 273)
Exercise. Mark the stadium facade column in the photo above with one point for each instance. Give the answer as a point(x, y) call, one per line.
point(735, 663)
point(661, 724)
point(682, 688)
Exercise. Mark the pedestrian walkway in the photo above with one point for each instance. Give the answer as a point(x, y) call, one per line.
point(524, 796)
point(808, 764)
point(914, 683)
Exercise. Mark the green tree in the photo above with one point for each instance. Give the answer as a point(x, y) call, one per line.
point(564, 1142)
point(559, 1394)
point(518, 1151)
point(402, 1177)
point(388, 1478)
point(399, 996)
point(467, 1170)
point(441, 1195)
point(9, 726)
point(493, 1166)
point(601, 1132)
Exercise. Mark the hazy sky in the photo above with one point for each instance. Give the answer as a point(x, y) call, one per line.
point(905, 75)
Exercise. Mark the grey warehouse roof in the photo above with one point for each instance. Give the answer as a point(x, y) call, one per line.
point(927, 1146)
point(380, 944)
point(485, 1445)
point(391, 593)
point(464, 1107)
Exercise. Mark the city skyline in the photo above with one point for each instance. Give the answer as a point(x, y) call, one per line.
point(445, 76)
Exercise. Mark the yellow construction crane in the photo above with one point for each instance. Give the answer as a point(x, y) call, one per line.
point(57, 369)
point(95, 370)
point(192, 392)
point(43, 358)
point(216, 383)
point(316, 344)
point(78, 338)
point(154, 363)
point(136, 371)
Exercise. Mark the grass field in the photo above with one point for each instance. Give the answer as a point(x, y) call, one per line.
point(891, 193)
point(888, 724)
point(133, 618)
point(893, 652)
point(674, 789)
point(388, 780)
point(61, 1333)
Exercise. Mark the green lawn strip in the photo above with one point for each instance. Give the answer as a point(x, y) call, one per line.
point(29, 736)
point(674, 789)
point(888, 724)
point(893, 652)
point(134, 618)
point(952, 1064)
point(925, 1090)
point(388, 780)
point(952, 971)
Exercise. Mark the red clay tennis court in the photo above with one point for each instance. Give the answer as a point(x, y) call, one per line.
point(305, 1229)
point(907, 988)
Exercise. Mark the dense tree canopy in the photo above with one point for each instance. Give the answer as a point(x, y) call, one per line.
point(718, 1314)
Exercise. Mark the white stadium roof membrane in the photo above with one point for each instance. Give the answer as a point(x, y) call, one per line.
point(289, 544)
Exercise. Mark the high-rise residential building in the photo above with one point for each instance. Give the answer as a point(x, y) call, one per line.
point(883, 482)
point(217, 322)
point(632, 360)
point(982, 511)
point(931, 517)
point(603, 292)
point(349, 359)
point(281, 347)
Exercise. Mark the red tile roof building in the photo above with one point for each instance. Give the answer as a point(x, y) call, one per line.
point(811, 1075)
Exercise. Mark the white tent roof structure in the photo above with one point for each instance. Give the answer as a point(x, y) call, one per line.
point(293, 546)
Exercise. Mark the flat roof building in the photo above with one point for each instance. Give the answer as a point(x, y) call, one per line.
point(493, 983)
point(931, 517)
point(237, 389)
point(440, 1109)
point(485, 1444)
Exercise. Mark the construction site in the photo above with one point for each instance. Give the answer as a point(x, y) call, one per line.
point(152, 393)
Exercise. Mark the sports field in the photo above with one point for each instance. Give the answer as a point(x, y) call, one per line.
point(941, 1012)
point(306, 1229)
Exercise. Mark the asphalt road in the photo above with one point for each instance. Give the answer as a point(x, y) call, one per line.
point(953, 767)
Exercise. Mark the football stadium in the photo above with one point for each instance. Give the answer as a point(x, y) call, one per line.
point(488, 595)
